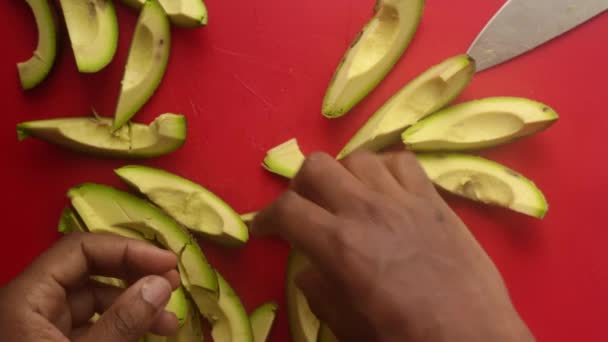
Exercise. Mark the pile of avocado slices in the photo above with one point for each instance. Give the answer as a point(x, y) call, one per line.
point(169, 208)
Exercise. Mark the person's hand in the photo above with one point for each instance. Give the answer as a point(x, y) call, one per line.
point(391, 261)
point(54, 299)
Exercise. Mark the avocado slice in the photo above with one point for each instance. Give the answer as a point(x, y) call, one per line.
point(70, 222)
point(285, 159)
point(183, 13)
point(326, 335)
point(229, 320)
point(146, 64)
point(262, 319)
point(112, 282)
point(93, 30)
point(105, 209)
point(248, 217)
point(373, 54)
point(427, 93)
point(479, 124)
point(192, 330)
point(303, 324)
point(93, 135)
point(33, 71)
point(484, 181)
point(188, 203)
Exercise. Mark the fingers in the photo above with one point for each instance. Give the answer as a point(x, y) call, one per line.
point(300, 221)
point(88, 300)
point(407, 171)
point(324, 181)
point(373, 172)
point(135, 312)
point(77, 256)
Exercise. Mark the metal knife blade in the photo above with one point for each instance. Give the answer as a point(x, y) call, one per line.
point(522, 25)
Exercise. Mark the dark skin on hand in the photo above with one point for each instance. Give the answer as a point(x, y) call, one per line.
point(391, 262)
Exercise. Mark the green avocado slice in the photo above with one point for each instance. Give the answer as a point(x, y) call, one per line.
point(326, 335)
point(93, 135)
point(188, 203)
point(183, 13)
point(33, 71)
point(373, 54)
point(427, 93)
point(303, 324)
point(229, 320)
point(70, 222)
point(262, 319)
point(285, 159)
point(484, 181)
point(105, 209)
point(479, 124)
point(93, 30)
point(146, 64)
point(192, 330)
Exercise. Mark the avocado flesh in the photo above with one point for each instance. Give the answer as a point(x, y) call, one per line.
point(191, 331)
point(228, 318)
point(248, 217)
point(479, 124)
point(70, 222)
point(94, 136)
point(373, 54)
point(187, 202)
point(285, 159)
point(303, 324)
point(106, 209)
point(430, 91)
point(183, 13)
point(33, 71)
point(326, 335)
point(93, 29)
point(146, 64)
point(484, 181)
point(262, 319)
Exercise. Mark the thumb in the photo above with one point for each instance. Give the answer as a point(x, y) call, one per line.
point(133, 313)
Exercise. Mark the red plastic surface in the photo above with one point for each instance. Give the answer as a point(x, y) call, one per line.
point(255, 77)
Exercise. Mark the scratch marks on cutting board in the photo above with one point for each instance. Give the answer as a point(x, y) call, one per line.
point(253, 92)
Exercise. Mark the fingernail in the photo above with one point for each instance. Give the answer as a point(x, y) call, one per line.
point(156, 291)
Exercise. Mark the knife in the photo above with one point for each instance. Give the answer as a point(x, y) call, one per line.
point(522, 25)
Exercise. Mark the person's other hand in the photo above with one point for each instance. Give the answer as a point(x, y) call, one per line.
point(54, 299)
point(391, 261)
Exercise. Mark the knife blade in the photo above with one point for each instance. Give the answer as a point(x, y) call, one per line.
point(522, 25)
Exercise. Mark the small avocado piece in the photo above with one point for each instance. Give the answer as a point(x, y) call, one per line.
point(33, 71)
point(93, 135)
point(326, 335)
point(249, 217)
point(479, 124)
point(426, 94)
point(110, 281)
point(262, 319)
point(188, 203)
point(303, 324)
point(93, 30)
point(192, 330)
point(183, 13)
point(146, 64)
point(70, 222)
point(285, 159)
point(106, 209)
point(373, 54)
point(484, 181)
point(228, 318)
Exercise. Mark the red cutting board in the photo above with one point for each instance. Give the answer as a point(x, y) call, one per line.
point(256, 76)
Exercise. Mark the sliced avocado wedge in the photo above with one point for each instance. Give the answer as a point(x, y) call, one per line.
point(70, 222)
point(112, 282)
point(249, 217)
point(146, 64)
point(93, 30)
point(285, 159)
point(303, 324)
point(192, 330)
point(262, 319)
point(326, 335)
point(188, 203)
point(106, 209)
point(427, 93)
point(479, 124)
point(373, 54)
point(94, 136)
point(229, 320)
point(484, 181)
point(183, 13)
point(33, 71)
